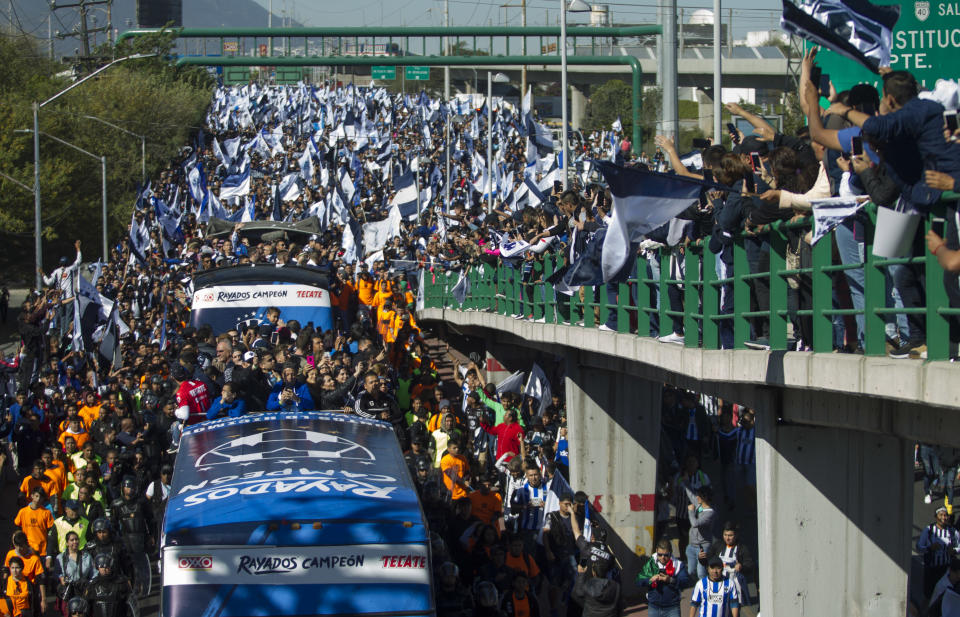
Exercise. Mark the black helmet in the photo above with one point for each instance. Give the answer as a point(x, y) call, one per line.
point(129, 482)
point(77, 605)
point(423, 464)
point(487, 595)
point(448, 568)
point(104, 560)
point(101, 524)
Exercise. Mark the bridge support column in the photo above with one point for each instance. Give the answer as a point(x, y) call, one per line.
point(614, 429)
point(835, 517)
point(578, 107)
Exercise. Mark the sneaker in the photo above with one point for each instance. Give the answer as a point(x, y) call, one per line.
point(761, 343)
point(919, 353)
point(673, 337)
point(891, 344)
point(579, 323)
point(606, 328)
point(541, 320)
point(904, 350)
point(927, 499)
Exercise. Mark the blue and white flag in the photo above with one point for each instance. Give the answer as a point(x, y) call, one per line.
point(538, 386)
point(462, 289)
point(289, 187)
point(163, 329)
point(857, 29)
point(617, 125)
point(406, 198)
point(235, 186)
point(513, 383)
point(829, 213)
point(197, 182)
point(587, 523)
point(642, 201)
point(139, 239)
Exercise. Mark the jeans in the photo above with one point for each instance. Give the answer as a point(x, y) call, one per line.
point(693, 562)
point(663, 611)
point(725, 327)
point(932, 472)
point(851, 252)
point(907, 281)
point(947, 478)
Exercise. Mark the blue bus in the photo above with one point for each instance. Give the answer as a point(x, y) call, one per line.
point(294, 514)
point(237, 297)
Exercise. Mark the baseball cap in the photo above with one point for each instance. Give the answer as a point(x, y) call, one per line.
point(249, 356)
point(715, 562)
point(72, 504)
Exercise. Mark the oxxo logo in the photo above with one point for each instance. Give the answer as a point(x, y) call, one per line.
point(195, 562)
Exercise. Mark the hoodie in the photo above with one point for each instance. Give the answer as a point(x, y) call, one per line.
point(599, 597)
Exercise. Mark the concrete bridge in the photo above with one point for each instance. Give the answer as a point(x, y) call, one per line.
point(835, 438)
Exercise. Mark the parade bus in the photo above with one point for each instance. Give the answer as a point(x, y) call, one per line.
point(294, 514)
point(238, 297)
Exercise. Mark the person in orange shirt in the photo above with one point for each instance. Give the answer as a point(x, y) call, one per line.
point(38, 479)
point(18, 593)
point(520, 561)
point(487, 503)
point(32, 564)
point(366, 288)
point(385, 315)
point(90, 412)
point(520, 601)
point(35, 521)
point(76, 430)
point(54, 470)
point(455, 469)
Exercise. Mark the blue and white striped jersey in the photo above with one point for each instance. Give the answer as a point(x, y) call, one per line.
point(715, 598)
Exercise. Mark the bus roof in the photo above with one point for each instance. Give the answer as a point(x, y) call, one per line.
point(292, 479)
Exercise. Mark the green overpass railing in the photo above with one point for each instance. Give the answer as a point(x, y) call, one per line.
point(501, 289)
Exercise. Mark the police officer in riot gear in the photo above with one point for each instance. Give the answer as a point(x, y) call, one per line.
point(78, 607)
point(102, 542)
point(109, 594)
point(133, 517)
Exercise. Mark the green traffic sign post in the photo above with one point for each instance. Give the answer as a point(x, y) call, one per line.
point(926, 42)
point(417, 73)
point(383, 72)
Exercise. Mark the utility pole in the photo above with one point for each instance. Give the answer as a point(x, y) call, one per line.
point(50, 32)
point(523, 69)
point(446, 51)
point(84, 33)
point(668, 15)
point(717, 83)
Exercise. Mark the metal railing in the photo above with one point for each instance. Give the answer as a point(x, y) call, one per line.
point(642, 308)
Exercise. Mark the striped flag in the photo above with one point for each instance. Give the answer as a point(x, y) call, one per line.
point(856, 29)
point(829, 213)
point(587, 524)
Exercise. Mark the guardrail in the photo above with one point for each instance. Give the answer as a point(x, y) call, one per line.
point(507, 290)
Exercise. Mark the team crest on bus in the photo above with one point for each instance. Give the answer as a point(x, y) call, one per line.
point(285, 445)
point(921, 8)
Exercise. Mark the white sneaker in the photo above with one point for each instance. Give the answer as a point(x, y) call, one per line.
point(927, 498)
point(606, 328)
point(673, 337)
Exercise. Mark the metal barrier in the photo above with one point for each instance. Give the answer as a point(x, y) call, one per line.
point(642, 307)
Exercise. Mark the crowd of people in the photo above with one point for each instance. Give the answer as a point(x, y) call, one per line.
point(109, 369)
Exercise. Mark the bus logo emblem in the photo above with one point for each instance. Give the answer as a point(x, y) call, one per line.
point(285, 445)
point(195, 562)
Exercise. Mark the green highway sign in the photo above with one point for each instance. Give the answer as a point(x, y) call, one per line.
point(926, 42)
point(383, 72)
point(417, 73)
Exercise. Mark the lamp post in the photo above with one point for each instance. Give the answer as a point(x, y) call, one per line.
point(143, 146)
point(103, 175)
point(575, 6)
point(38, 240)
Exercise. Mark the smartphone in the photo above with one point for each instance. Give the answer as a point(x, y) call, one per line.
point(950, 119)
point(708, 175)
point(815, 76)
point(824, 85)
point(274, 337)
point(937, 226)
point(856, 145)
point(734, 136)
point(701, 143)
point(755, 160)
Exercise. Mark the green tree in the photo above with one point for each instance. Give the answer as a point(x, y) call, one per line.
point(149, 97)
point(606, 103)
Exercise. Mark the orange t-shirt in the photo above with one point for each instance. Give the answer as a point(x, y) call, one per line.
point(58, 474)
point(36, 524)
point(48, 484)
point(365, 292)
point(32, 565)
point(90, 414)
point(520, 564)
point(454, 466)
point(486, 507)
point(521, 606)
point(20, 597)
point(80, 438)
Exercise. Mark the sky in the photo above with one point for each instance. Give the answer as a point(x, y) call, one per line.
point(747, 15)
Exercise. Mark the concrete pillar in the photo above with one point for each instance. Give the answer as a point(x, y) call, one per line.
point(834, 521)
point(614, 429)
point(705, 107)
point(578, 107)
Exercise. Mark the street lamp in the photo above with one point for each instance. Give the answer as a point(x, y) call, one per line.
point(500, 78)
point(38, 241)
point(575, 6)
point(143, 146)
point(103, 174)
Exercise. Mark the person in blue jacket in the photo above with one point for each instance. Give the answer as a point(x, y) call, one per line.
point(227, 405)
point(287, 395)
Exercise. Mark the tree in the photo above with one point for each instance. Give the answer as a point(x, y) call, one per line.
point(606, 103)
point(150, 97)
